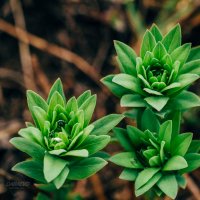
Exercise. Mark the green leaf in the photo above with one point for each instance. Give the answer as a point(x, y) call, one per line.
point(193, 160)
point(155, 161)
point(88, 108)
point(57, 87)
point(126, 159)
point(181, 53)
point(30, 168)
point(181, 181)
point(95, 143)
point(32, 134)
point(159, 51)
point(172, 39)
point(191, 67)
point(56, 99)
point(132, 100)
point(148, 43)
point(175, 116)
point(146, 123)
point(175, 163)
point(61, 178)
point(122, 137)
point(150, 91)
point(165, 133)
point(144, 176)
point(83, 97)
point(185, 100)
point(77, 153)
point(156, 32)
point(39, 116)
point(53, 166)
point(157, 102)
point(194, 147)
point(148, 185)
point(29, 147)
point(129, 82)
point(85, 168)
point(41, 196)
point(181, 143)
point(129, 174)
point(116, 89)
point(34, 99)
point(194, 54)
point(127, 57)
point(168, 185)
point(136, 136)
point(105, 124)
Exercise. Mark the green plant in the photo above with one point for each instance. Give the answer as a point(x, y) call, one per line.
point(155, 84)
point(157, 156)
point(159, 77)
point(63, 146)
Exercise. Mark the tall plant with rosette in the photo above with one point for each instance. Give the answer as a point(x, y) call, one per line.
point(156, 156)
point(159, 77)
point(63, 146)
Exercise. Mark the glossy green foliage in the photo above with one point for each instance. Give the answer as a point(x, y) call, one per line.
point(159, 76)
point(62, 143)
point(156, 156)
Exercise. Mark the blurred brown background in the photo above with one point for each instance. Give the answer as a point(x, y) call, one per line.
point(41, 40)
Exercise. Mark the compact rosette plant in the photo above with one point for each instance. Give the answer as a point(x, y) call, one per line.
point(159, 76)
point(62, 144)
point(156, 156)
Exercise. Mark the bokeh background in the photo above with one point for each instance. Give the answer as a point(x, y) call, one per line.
point(41, 40)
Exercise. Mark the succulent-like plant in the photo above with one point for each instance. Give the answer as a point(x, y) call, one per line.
point(62, 144)
point(159, 77)
point(157, 156)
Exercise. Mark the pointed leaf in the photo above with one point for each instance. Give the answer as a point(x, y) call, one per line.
point(128, 82)
point(105, 124)
point(85, 168)
point(148, 185)
point(132, 100)
point(181, 53)
point(95, 143)
point(122, 136)
point(126, 57)
point(57, 87)
point(31, 148)
point(88, 108)
point(144, 176)
point(116, 89)
point(191, 67)
point(157, 102)
point(156, 33)
point(168, 185)
point(172, 39)
point(159, 51)
point(77, 153)
point(129, 174)
point(34, 99)
point(83, 97)
point(31, 169)
point(61, 178)
point(126, 159)
point(53, 166)
point(175, 163)
point(194, 54)
point(148, 43)
point(181, 143)
point(149, 121)
point(193, 160)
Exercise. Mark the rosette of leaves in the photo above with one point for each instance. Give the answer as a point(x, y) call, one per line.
point(159, 77)
point(63, 146)
point(157, 155)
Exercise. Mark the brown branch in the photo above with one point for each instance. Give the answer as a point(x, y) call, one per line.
point(24, 50)
point(192, 187)
point(52, 49)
